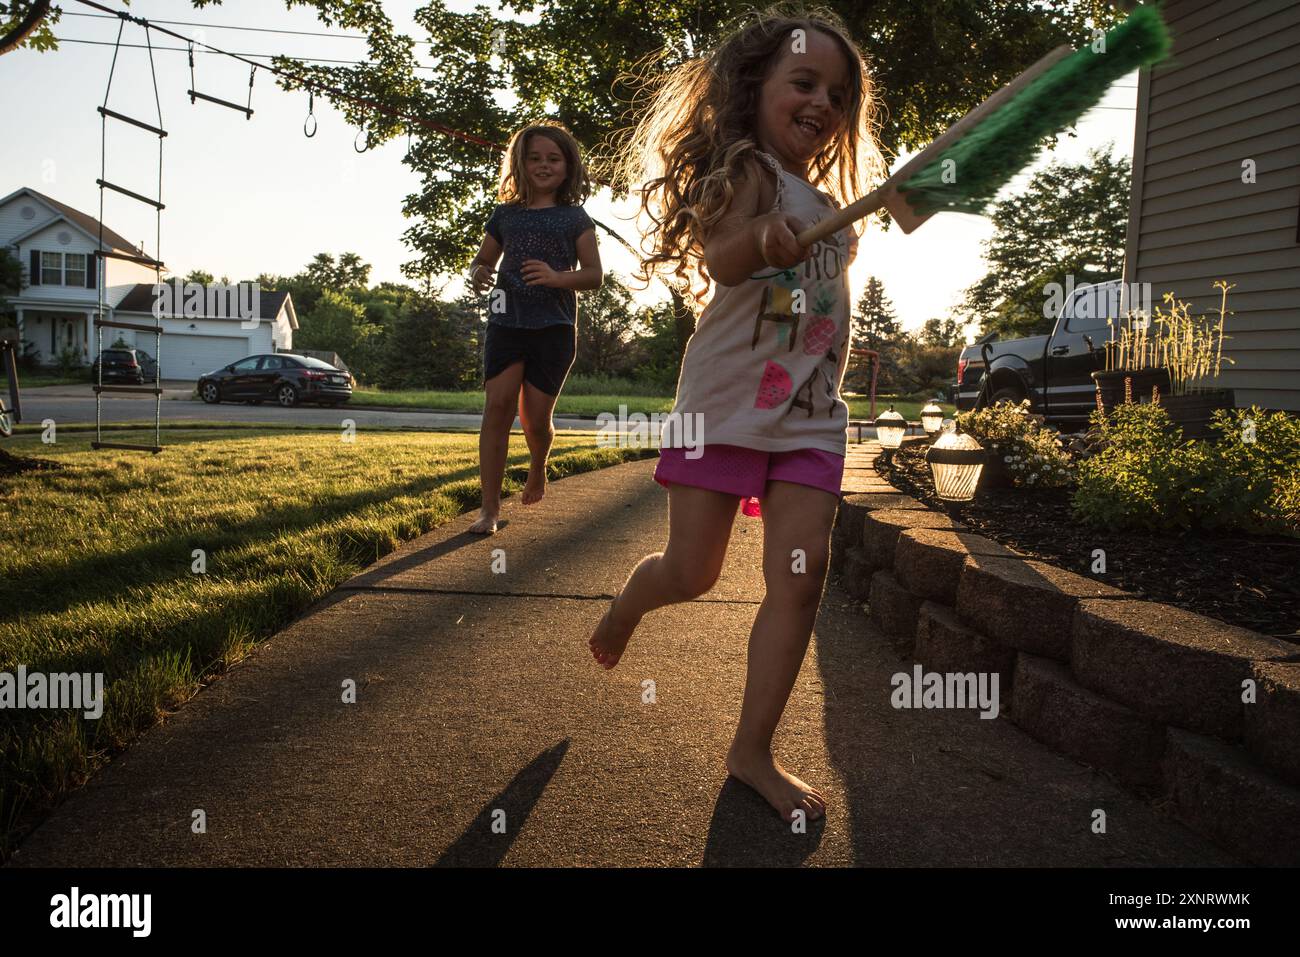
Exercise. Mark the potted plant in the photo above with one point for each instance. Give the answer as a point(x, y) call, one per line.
point(1021, 452)
point(1171, 358)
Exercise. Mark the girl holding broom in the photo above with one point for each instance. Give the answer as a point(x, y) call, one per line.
point(531, 340)
point(731, 155)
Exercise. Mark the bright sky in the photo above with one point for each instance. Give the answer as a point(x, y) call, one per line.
point(247, 196)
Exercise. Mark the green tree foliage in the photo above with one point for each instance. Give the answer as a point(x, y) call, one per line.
point(658, 354)
point(338, 324)
point(919, 368)
point(432, 345)
point(11, 279)
point(578, 62)
point(1071, 220)
point(13, 13)
point(347, 274)
point(934, 60)
point(605, 328)
point(944, 333)
point(875, 324)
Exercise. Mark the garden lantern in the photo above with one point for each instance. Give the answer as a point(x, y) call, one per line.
point(931, 417)
point(890, 427)
point(956, 461)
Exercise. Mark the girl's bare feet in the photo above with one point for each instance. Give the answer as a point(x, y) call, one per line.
point(486, 524)
point(610, 638)
point(783, 790)
point(534, 489)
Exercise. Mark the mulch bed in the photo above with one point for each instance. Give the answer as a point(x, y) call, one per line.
point(1244, 580)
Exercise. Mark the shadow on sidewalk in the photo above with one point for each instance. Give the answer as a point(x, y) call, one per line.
point(514, 804)
point(746, 832)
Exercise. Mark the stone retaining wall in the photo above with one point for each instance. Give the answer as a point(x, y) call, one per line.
point(1151, 694)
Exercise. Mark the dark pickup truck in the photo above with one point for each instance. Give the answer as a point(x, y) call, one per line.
point(1053, 372)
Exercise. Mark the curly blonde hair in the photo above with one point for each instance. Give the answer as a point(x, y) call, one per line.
point(512, 183)
point(688, 150)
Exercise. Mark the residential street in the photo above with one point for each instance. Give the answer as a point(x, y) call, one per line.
point(76, 404)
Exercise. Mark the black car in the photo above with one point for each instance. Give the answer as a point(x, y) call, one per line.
point(1053, 371)
point(286, 379)
point(120, 365)
point(148, 364)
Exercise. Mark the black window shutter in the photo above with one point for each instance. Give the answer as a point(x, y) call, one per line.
point(36, 268)
point(92, 269)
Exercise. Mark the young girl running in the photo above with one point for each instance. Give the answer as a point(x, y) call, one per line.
point(531, 337)
point(729, 154)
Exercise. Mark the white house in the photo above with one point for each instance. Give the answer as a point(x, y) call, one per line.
point(56, 311)
point(195, 342)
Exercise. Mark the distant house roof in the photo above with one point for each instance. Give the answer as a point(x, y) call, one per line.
point(141, 299)
point(112, 239)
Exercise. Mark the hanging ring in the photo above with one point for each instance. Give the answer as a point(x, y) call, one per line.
point(311, 116)
point(362, 132)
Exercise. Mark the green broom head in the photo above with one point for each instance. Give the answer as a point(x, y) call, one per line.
point(1007, 140)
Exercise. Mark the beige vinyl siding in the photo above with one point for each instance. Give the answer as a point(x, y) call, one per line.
point(1230, 92)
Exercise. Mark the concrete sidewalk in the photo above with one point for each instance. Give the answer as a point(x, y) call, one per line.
point(476, 694)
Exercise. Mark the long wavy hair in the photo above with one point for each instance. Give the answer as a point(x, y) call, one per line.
point(513, 185)
point(686, 153)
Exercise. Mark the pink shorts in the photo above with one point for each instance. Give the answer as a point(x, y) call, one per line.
point(746, 472)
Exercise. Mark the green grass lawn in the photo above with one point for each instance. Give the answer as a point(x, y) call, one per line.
point(98, 557)
point(859, 408)
point(35, 380)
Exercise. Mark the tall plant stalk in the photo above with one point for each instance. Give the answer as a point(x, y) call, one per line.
point(1190, 348)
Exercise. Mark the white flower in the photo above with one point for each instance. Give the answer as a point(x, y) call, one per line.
point(1006, 458)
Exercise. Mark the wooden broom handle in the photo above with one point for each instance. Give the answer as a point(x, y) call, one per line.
point(842, 217)
point(880, 196)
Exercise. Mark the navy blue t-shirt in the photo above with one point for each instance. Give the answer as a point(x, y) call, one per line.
point(550, 234)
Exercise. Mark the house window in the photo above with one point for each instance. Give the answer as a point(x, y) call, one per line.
point(51, 269)
point(74, 269)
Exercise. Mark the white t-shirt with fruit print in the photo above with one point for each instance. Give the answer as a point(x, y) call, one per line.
point(764, 366)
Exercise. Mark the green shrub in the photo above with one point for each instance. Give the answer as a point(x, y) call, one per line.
point(1031, 454)
point(69, 361)
point(1148, 476)
point(1258, 470)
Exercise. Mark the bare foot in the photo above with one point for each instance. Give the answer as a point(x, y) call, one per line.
point(534, 489)
point(486, 524)
point(610, 638)
point(783, 790)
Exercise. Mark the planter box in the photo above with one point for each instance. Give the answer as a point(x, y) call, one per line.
point(1192, 412)
point(1110, 385)
point(995, 474)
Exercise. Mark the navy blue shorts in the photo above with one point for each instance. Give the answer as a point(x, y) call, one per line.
point(547, 353)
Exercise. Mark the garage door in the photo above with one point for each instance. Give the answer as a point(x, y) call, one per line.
point(188, 357)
